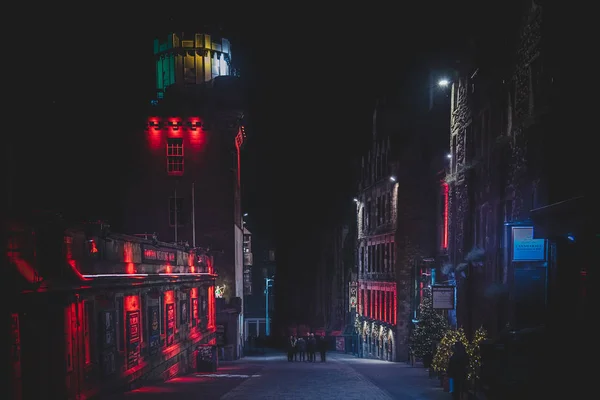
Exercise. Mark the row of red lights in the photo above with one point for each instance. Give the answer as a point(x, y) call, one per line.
point(174, 123)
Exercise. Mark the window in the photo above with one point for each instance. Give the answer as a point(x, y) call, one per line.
point(176, 211)
point(175, 156)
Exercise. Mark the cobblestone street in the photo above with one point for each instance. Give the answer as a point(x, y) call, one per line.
point(273, 377)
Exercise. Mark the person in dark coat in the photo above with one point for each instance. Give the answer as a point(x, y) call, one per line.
point(457, 369)
point(312, 347)
point(291, 346)
point(322, 345)
point(301, 346)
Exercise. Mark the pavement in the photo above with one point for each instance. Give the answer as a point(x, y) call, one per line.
point(271, 376)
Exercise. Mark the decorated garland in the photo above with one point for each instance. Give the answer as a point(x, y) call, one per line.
point(375, 331)
point(357, 324)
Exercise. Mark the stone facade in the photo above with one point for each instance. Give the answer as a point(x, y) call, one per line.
point(397, 227)
point(98, 312)
point(496, 177)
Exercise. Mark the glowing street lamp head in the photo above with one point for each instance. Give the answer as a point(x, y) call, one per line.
point(443, 82)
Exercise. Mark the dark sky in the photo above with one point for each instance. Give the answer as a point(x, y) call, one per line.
point(313, 74)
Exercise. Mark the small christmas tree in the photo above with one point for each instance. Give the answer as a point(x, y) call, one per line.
point(474, 351)
point(429, 330)
point(444, 350)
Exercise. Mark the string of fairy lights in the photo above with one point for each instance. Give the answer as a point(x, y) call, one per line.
point(444, 350)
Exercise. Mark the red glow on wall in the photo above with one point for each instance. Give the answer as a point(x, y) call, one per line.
point(211, 307)
point(395, 302)
point(194, 293)
point(169, 297)
point(24, 268)
point(93, 247)
point(168, 269)
point(128, 253)
point(196, 134)
point(174, 125)
point(131, 303)
point(209, 264)
point(70, 260)
point(154, 133)
point(130, 268)
point(445, 222)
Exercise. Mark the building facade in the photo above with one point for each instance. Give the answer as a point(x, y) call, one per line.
point(334, 272)
point(187, 187)
point(376, 250)
point(399, 207)
point(97, 312)
point(516, 218)
point(262, 285)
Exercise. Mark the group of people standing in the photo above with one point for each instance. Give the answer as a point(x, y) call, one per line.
point(305, 348)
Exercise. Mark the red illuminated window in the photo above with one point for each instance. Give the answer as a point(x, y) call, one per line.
point(175, 156)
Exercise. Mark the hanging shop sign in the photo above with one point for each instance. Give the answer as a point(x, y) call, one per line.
point(443, 297)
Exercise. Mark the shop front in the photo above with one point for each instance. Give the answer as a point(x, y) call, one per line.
point(377, 341)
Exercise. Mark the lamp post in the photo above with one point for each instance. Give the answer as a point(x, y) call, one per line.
point(268, 282)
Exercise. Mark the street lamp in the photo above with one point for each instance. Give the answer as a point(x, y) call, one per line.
point(443, 82)
point(268, 284)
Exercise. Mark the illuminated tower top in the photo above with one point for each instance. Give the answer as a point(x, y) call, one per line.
point(190, 60)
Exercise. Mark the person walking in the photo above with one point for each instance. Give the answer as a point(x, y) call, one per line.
point(457, 369)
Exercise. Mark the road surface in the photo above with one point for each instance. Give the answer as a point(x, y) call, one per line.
point(273, 377)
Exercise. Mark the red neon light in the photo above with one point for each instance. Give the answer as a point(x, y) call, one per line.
point(395, 314)
point(445, 227)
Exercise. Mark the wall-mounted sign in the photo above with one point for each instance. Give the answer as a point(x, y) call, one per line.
point(153, 329)
point(133, 338)
point(525, 247)
point(340, 343)
point(220, 291)
point(154, 256)
point(443, 297)
point(170, 323)
point(352, 296)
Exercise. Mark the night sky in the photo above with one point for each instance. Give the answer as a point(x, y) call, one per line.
point(313, 77)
